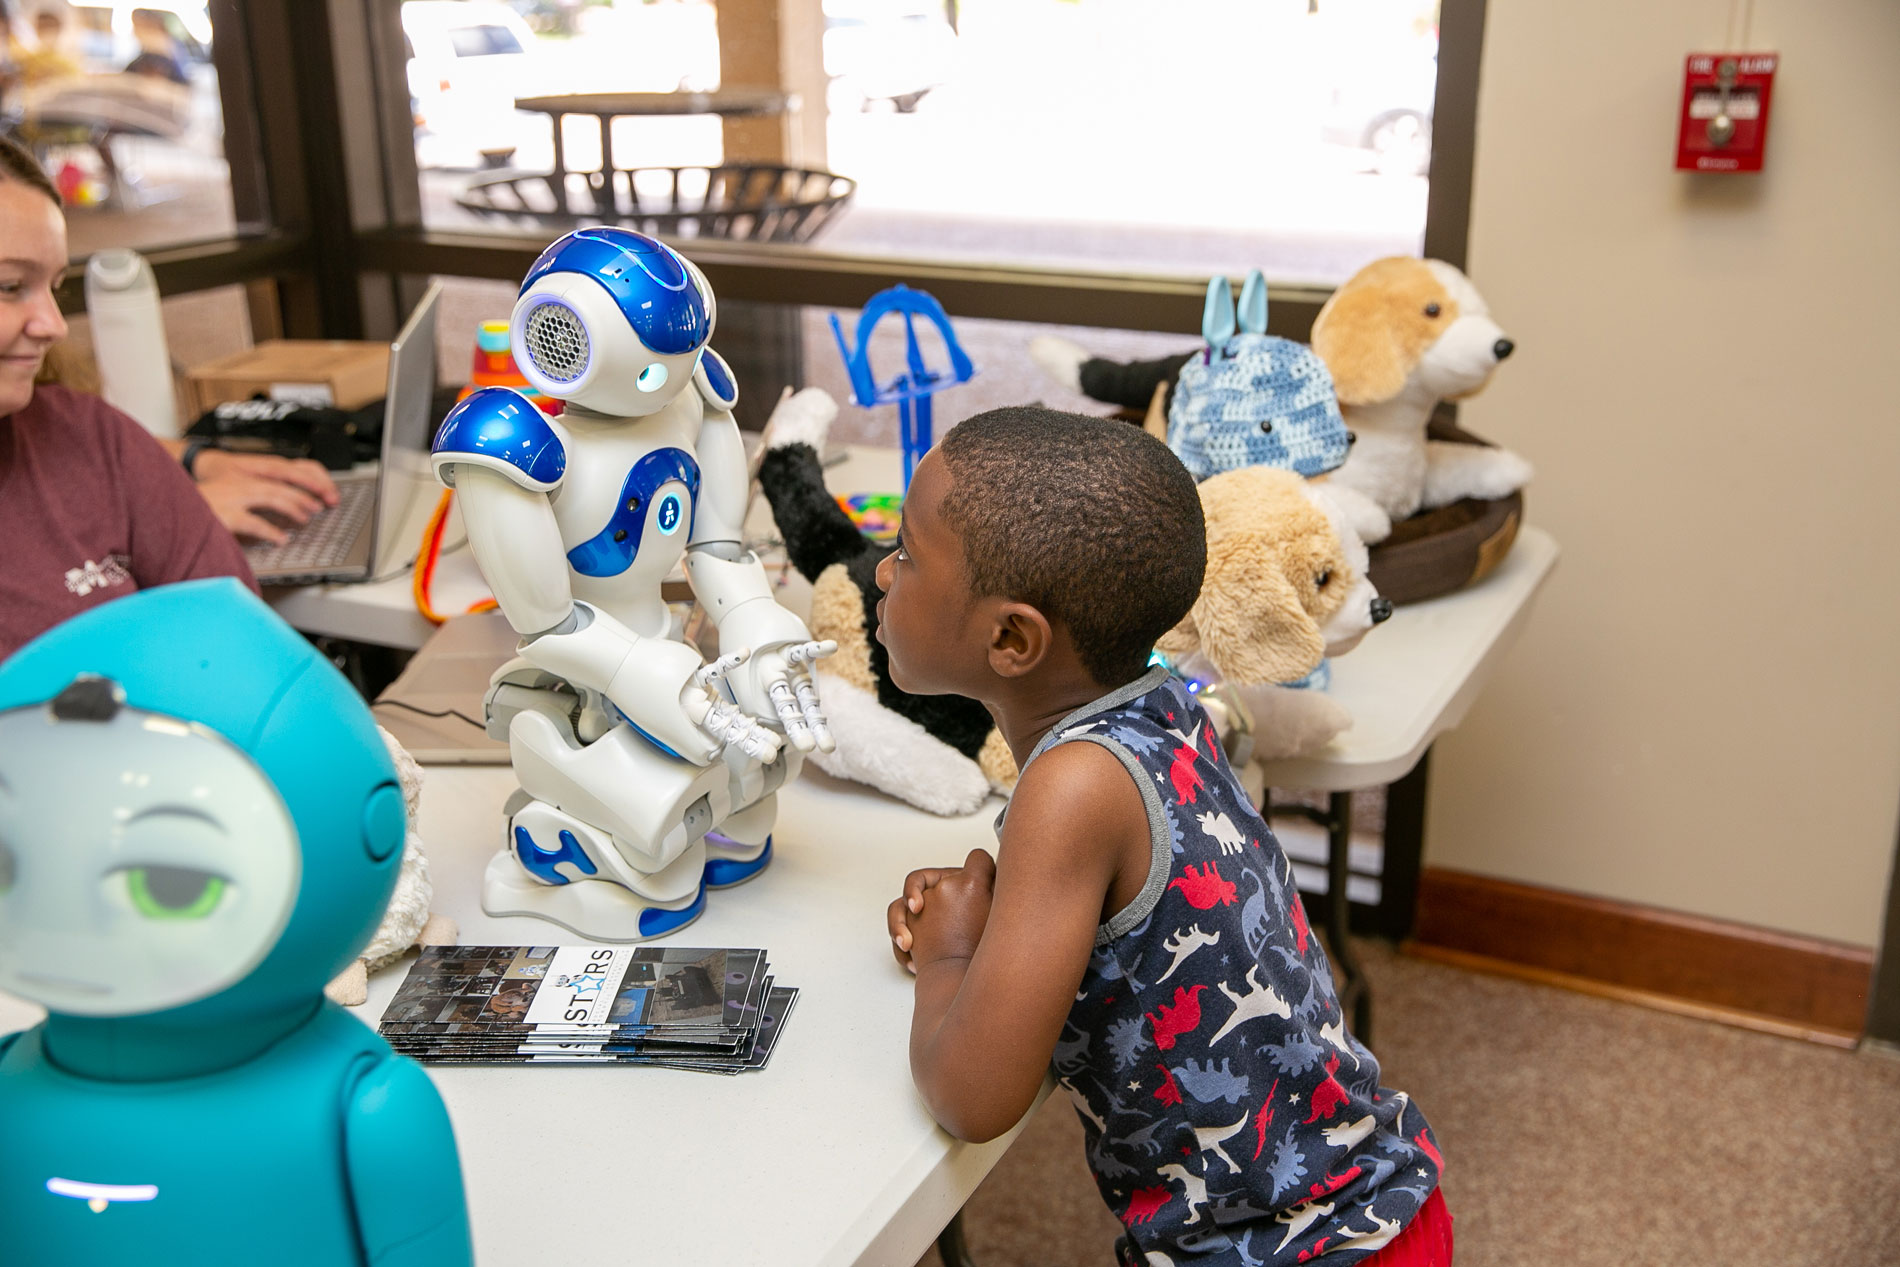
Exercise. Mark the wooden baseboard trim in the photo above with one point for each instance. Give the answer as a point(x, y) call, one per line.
point(1775, 982)
point(1642, 998)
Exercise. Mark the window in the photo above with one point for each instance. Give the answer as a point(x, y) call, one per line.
point(1193, 138)
point(123, 106)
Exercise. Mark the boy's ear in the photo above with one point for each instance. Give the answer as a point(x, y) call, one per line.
point(1020, 639)
point(1249, 619)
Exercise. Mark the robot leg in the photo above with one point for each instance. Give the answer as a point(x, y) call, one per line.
point(741, 845)
point(616, 810)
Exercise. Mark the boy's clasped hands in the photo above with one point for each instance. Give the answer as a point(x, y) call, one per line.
point(949, 923)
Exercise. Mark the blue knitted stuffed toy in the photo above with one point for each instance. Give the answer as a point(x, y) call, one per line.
point(1251, 398)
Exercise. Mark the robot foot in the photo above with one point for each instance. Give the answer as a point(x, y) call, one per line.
point(549, 870)
point(728, 862)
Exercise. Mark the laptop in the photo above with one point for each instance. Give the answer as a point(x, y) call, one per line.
point(372, 532)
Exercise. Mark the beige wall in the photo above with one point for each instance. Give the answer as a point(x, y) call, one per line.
point(1704, 713)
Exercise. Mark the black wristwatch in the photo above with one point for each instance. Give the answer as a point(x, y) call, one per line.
point(189, 458)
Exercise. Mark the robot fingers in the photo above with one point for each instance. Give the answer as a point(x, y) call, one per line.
point(810, 652)
point(790, 714)
point(813, 709)
point(736, 730)
point(718, 669)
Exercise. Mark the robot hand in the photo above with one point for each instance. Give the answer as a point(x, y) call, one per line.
point(707, 708)
point(661, 687)
point(781, 675)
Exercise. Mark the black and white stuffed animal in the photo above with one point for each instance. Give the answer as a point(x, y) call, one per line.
point(941, 753)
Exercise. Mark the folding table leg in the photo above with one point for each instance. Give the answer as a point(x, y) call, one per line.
point(1356, 993)
point(951, 1246)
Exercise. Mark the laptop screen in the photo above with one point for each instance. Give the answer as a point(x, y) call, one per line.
point(408, 484)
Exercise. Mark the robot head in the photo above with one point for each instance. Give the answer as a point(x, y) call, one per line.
point(198, 821)
point(611, 320)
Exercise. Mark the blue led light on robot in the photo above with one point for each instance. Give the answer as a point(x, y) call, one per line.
point(645, 277)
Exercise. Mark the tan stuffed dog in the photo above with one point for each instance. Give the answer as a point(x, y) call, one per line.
point(1286, 587)
point(1401, 335)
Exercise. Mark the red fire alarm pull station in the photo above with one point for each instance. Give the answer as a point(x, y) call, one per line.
point(1725, 111)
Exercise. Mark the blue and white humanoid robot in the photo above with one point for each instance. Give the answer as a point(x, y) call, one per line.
point(199, 827)
point(640, 765)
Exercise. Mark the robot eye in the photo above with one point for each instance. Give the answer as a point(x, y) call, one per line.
point(166, 893)
point(652, 378)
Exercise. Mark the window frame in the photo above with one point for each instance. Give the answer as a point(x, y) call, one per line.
point(324, 166)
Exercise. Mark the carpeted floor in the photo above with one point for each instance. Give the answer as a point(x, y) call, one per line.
point(1576, 1131)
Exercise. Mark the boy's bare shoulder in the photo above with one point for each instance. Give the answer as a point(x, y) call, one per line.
point(1072, 801)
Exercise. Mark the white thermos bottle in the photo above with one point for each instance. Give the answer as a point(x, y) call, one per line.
point(128, 339)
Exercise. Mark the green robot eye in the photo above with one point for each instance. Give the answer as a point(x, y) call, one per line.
point(173, 892)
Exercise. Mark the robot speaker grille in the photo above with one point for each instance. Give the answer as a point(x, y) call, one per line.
point(557, 342)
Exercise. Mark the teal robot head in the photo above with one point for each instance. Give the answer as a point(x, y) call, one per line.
point(199, 827)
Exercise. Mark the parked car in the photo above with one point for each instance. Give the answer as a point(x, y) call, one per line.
point(886, 51)
point(468, 61)
point(1382, 103)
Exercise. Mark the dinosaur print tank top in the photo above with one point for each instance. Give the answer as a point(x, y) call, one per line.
point(1230, 1117)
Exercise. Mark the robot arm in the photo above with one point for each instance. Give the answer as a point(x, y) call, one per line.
point(504, 463)
point(776, 679)
point(405, 1178)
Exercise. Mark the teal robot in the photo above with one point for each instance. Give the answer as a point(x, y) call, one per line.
point(199, 827)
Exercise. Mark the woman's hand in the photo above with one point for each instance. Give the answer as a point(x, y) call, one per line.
point(218, 464)
point(244, 488)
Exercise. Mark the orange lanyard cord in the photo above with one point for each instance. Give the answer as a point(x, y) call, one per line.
point(426, 557)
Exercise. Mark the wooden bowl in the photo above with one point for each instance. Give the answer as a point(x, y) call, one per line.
point(1439, 551)
point(1443, 550)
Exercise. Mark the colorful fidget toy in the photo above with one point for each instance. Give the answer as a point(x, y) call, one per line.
point(875, 514)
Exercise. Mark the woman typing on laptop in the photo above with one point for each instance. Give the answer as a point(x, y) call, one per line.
point(91, 506)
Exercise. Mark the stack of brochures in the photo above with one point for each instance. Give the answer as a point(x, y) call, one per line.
point(717, 1011)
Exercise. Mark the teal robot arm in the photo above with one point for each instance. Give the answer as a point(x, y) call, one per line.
point(403, 1175)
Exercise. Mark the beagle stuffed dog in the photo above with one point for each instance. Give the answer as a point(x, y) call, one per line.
point(1286, 590)
point(1401, 335)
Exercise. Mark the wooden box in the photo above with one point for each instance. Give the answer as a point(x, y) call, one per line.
point(335, 372)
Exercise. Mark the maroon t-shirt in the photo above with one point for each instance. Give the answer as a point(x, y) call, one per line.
point(92, 508)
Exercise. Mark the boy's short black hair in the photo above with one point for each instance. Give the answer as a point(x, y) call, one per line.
point(1091, 521)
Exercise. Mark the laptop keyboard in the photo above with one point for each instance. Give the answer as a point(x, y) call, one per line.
point(325, 541)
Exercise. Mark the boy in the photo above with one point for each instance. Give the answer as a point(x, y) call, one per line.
point(1139, 929)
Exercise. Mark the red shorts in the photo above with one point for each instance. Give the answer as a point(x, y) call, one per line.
point(1425, 1242)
